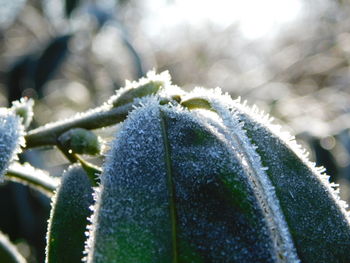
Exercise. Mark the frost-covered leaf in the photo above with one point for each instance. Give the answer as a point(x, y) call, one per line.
point(68, 219)
point(314, 213)
point(8, 251)
point(173, 190)
point(309, 205)
point(11, 138)
point(204, 178)
point(153, 83)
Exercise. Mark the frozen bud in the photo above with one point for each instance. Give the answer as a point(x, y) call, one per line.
point(152, 87)
point(24, 109)
point(81, 141)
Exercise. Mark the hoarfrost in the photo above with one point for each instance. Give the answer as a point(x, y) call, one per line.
point(68, 218)
point(255, 171)
point(312, 208)
point(217, 216)
point(11, 139)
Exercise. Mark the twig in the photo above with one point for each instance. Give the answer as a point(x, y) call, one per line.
point(93, 119)
point(33, 177)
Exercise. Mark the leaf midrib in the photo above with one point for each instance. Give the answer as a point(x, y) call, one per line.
point(170, 187)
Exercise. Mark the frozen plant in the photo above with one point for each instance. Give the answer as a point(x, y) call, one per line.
point(190, 177)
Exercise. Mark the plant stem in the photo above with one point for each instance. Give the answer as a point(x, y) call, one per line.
point(33, 177)
point(92, 119)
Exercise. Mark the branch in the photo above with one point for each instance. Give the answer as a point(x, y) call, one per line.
point(33, 177)
point(92, 119)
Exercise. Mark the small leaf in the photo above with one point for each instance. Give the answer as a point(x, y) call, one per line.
point(150, 85)
point(24, 109)
point(197, 103)
point(8, 251)
point(68, 219)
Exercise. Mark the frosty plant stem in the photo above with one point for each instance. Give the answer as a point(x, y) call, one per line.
point(93, 119)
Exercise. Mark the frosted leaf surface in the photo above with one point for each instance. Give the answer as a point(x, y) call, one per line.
point(11, 138)
point(68, 219)
point(131, 219)
point(316, 218)
point(212, 215)
point(9, 252)
point(218, 212)
point(254, 169)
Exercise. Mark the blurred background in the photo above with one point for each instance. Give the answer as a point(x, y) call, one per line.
point(290, 57)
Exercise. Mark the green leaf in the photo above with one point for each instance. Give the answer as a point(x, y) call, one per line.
point(68, 219)
point(314, 213)
point(173, 190)
point(145, 86)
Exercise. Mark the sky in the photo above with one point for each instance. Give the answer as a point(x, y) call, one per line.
point(255, 18)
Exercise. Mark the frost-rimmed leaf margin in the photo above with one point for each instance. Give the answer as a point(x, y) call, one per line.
point(11, 139)
point(89, 252)
point(298, 149)
point(268, 122)
point(68, 216)
point(319, 224)
point(254, 122)
point(254, 168)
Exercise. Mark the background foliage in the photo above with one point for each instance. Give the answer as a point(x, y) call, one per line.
point(70, 55)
